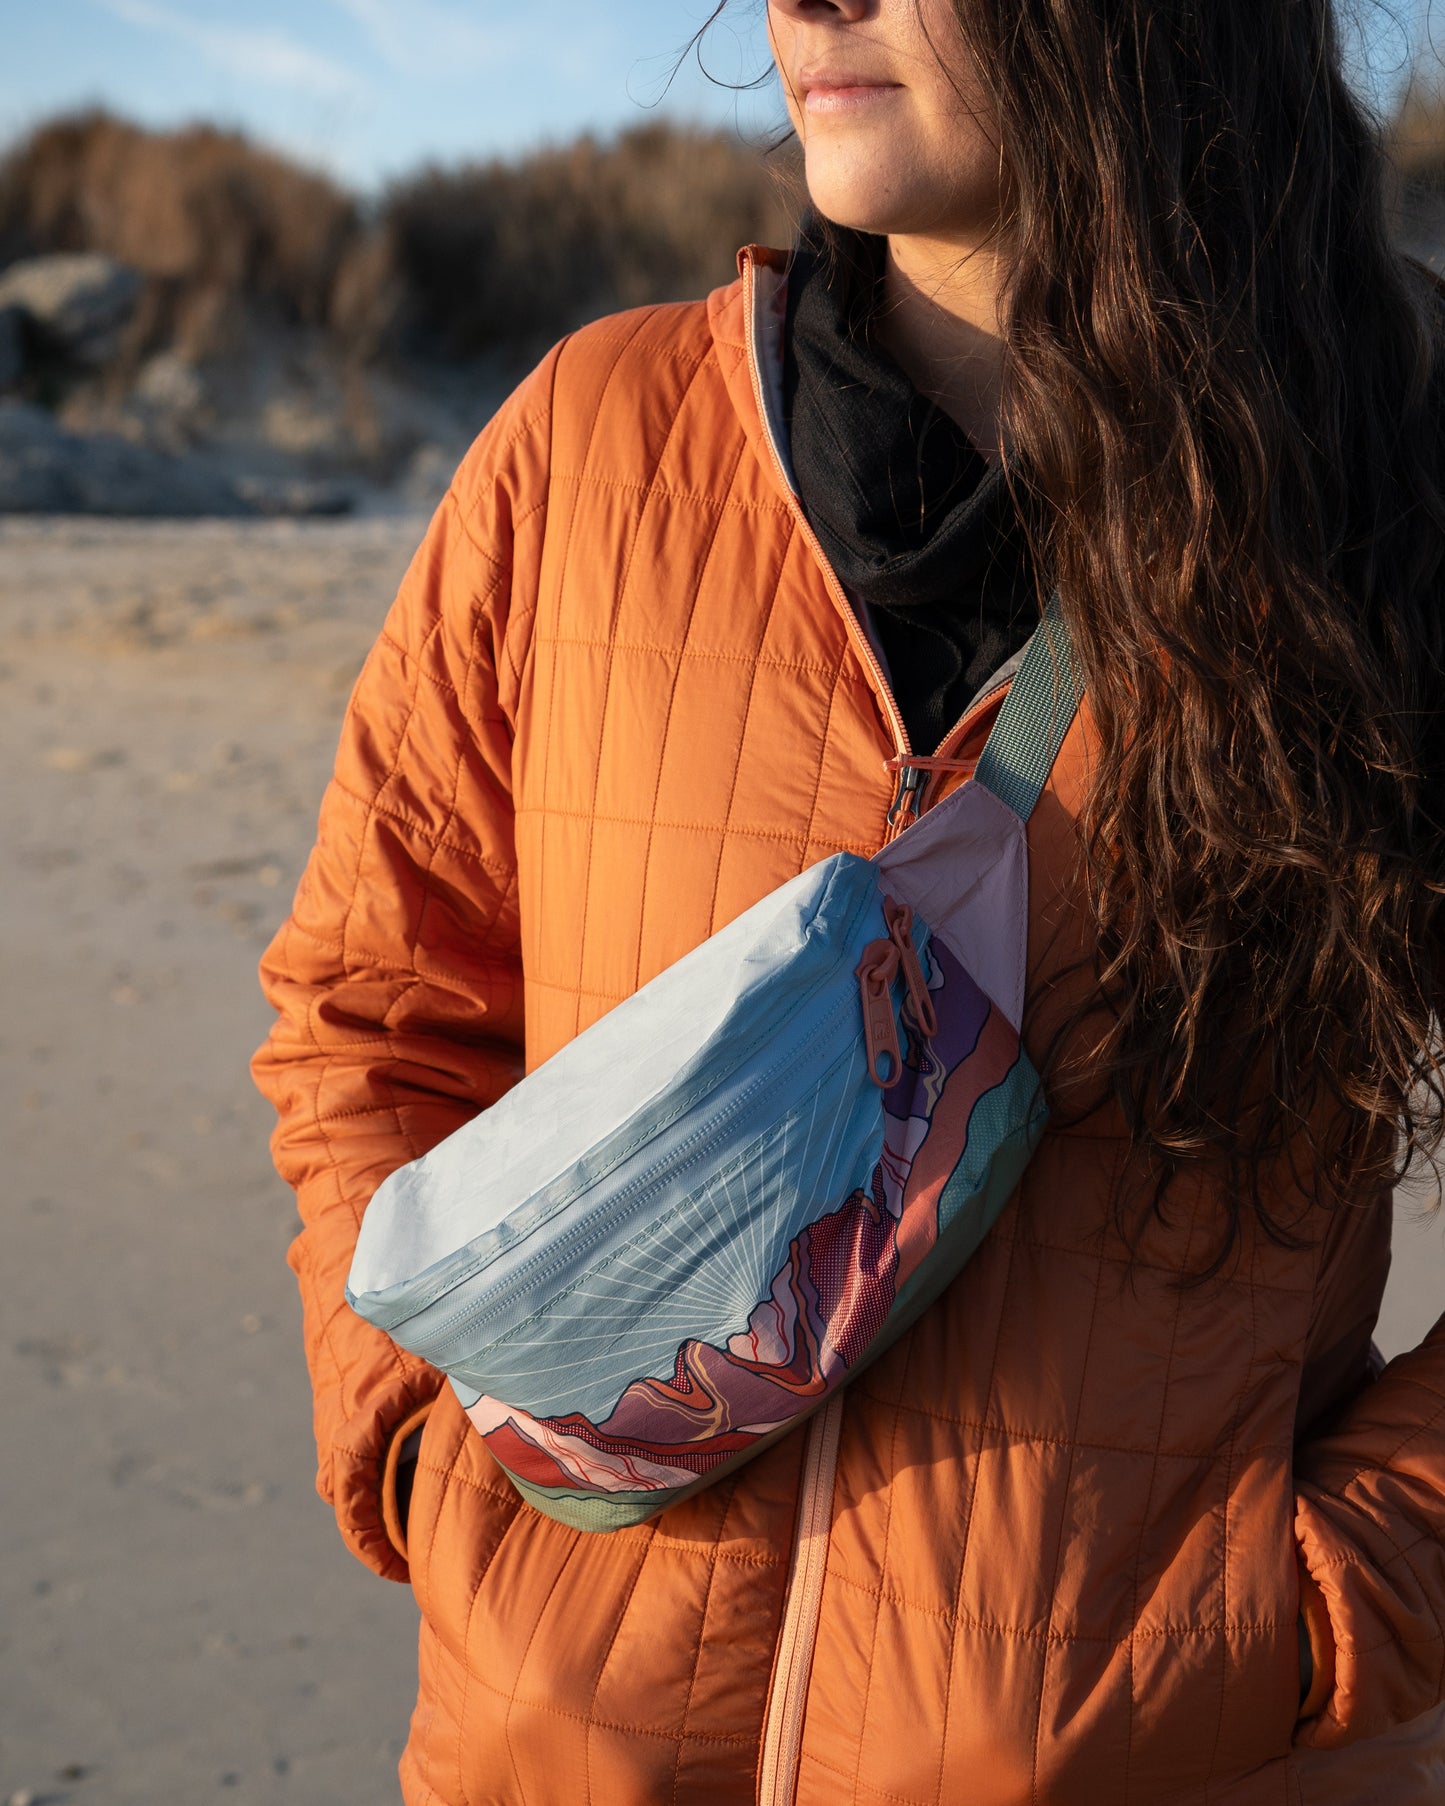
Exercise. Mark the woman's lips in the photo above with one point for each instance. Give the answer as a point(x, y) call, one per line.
point(845, 94)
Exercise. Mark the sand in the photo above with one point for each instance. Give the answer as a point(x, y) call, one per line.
point(178, 1620)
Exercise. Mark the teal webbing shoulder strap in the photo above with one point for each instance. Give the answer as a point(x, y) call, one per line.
point(1037, 712)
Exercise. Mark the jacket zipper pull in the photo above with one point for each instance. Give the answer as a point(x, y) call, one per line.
point(904, 812)
point(899, 917)
point(875, 974)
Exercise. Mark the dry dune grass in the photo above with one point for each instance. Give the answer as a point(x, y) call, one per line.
point(450, 262)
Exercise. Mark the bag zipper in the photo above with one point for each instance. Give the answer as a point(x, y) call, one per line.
point(875, 973)
point(899, 917)
point(792, 1671)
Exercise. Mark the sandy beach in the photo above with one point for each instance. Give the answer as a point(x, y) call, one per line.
point(178, 1620)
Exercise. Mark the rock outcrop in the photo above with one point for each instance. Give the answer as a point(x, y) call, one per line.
point(78, 305)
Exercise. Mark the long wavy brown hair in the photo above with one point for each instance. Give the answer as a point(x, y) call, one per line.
point(1223, 400)
point(1223, 396)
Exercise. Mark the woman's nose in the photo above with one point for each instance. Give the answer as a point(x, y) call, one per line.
point(822, 11)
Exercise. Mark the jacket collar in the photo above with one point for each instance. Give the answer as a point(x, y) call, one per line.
point(747, 321)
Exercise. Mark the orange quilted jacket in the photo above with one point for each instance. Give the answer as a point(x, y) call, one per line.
point(1048, 1548)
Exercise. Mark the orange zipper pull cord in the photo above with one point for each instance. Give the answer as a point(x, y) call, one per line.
point(899, 917)
point(913, 775)
point(875, 973)
point(912, 762)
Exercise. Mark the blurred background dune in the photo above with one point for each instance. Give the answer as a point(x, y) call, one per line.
point(210, 303)
point(233, 379)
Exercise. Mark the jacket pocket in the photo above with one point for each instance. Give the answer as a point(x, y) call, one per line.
point(461, 1506)
point(1269, 1689)
point(402, 1453)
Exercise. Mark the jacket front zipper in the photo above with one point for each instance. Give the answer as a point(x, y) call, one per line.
point(912, 780)
point(793, 1667)
point(915, 781)
point(788, 1694)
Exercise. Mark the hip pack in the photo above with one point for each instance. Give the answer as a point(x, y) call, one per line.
point(682, 1234)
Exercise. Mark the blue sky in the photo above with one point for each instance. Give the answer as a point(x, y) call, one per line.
point(370, 88)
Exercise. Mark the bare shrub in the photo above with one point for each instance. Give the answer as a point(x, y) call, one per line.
point(516, 253)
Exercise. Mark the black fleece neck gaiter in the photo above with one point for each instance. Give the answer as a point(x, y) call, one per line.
point(915, 522)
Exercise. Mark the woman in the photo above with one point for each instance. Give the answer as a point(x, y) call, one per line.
point(1103, 302)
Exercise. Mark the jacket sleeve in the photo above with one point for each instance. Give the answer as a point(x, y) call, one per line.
point(1370, 1521)
point(397, 978)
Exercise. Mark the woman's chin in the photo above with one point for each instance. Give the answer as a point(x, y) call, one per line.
point(870, 188)
point(856, 205)
point(853, 197)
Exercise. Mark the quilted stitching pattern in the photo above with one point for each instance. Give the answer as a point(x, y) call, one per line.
point(397, 979)
point(612, 707)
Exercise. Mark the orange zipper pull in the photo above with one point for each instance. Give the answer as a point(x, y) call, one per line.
point(899, 917)
point(875, 973)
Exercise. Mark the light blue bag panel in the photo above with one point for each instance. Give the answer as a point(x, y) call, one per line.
point(742, 1022)
point(775, 1064)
